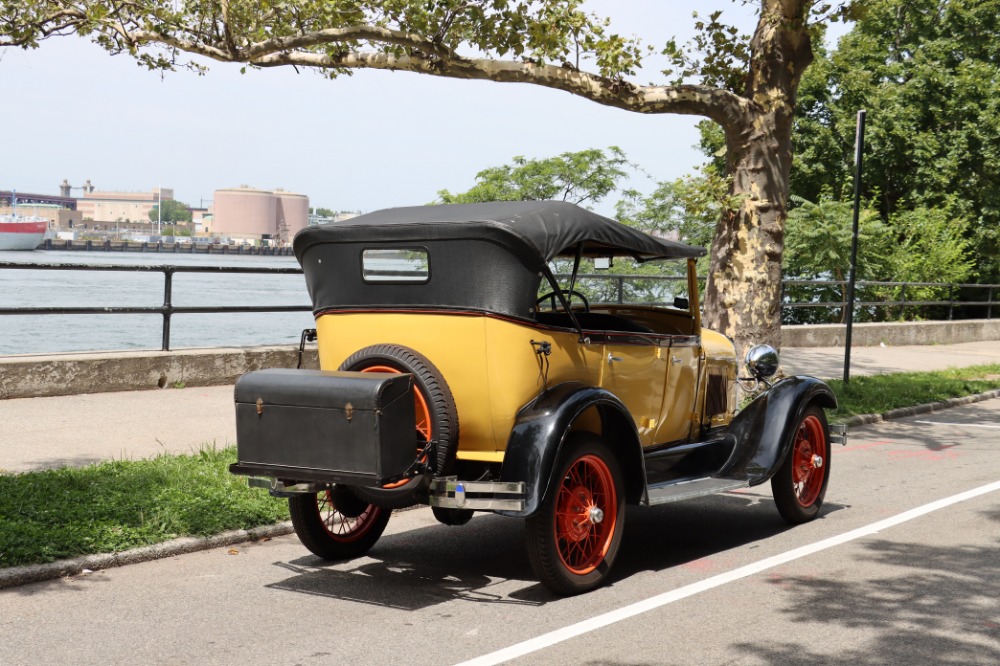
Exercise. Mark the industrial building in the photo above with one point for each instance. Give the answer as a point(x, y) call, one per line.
point(104, 207)
point(241, 214)
point(248, 213)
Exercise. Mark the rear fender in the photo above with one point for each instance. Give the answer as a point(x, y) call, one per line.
point(540, 431)
point(763, 432)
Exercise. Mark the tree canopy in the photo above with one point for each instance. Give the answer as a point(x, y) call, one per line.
point(172, 211)
point(747, 84)
point(584, 177)
point(928, 74)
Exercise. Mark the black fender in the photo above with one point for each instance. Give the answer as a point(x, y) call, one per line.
point(764, 430)
point(541, 427)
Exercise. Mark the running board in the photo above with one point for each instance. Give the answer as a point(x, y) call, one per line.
point(675, 491)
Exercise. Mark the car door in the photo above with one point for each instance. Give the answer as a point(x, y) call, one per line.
point(635, 368)
point(681, 389)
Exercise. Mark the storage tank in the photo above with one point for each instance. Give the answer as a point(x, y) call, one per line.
point(293, 211)
point(245, 210)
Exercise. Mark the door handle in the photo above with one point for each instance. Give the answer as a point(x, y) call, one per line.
point(676, 359)
point(612, 358)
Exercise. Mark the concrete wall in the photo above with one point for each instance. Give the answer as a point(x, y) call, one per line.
point(70, 374)
point(892, 334)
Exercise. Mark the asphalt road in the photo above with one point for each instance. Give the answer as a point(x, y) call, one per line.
point(903, 567)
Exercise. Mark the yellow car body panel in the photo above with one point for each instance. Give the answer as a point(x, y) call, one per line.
point(489, 363)
point(493, 369)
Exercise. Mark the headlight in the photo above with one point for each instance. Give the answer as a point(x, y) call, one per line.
point(762, 361)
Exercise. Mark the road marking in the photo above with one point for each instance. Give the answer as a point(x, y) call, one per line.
point(660, 600)
point(964, 425)
point(862, 447)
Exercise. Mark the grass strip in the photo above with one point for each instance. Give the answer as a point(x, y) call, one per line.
point(114, 506)
point(877, 394)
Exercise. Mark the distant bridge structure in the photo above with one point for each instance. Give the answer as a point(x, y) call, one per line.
point(27, 199)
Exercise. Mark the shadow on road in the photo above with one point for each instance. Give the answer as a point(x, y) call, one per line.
point(940, 606)
point(432, 565)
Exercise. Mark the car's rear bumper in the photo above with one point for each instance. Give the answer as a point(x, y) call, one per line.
point(451, 493)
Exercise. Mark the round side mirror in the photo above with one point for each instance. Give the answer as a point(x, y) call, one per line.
point(762, 361)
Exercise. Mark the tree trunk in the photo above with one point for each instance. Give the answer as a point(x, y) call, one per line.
point(742, 299)
point(743, 295)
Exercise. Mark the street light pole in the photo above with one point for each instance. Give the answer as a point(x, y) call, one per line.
point(859, 149)
point(159, 207)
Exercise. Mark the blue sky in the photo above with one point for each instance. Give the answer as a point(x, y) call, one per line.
point(368, 141)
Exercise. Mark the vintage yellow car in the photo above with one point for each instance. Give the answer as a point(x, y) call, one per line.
point(452, 377)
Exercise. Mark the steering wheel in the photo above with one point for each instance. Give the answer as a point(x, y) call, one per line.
point(571, 295)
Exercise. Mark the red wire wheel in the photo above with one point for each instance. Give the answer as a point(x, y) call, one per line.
point(574, 538)
point(436, 419)
point(423, 418)
point(335, 524)
point(800, 484)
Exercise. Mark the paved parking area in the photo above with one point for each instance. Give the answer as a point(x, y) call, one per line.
point(901, 568)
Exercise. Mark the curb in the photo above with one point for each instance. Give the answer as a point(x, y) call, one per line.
point(36, 573)
point(927, 408)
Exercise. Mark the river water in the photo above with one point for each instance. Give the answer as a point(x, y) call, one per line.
point(30, 334)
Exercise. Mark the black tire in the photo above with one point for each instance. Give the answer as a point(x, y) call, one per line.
point(442, 426)
point(453, 517)
point(800, 484)
point(569, 550)
point(336, 525)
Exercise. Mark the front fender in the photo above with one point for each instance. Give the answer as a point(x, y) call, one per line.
point(765, 429)
point(541, 428)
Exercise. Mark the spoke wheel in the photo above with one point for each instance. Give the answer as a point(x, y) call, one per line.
point(336, 525)
point(423, 419)
point(800, 484)
point(436, 419)
point(574, 538)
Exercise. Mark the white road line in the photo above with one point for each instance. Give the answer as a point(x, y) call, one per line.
point(652, 603)
point(964, 425)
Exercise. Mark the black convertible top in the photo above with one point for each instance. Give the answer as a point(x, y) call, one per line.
point(547, 229)
point(487, 257)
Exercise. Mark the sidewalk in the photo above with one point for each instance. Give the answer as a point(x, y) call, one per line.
point(828, 362)
point(38, 433)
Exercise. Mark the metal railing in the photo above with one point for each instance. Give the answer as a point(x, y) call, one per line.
point(894, 295)
point(168, 309)
point(617, 290)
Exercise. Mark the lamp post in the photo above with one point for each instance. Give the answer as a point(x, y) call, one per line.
point(859, 150)
point(159, 207)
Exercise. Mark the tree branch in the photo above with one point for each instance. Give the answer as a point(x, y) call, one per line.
point(722, 106)
point(425, 55)
point(348, 34)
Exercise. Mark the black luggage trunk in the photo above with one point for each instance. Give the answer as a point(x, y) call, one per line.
point(356, 428)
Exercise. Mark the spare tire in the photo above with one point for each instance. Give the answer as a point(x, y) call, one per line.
point(437, 419)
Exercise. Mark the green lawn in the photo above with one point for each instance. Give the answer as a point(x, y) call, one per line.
point(877, 394)
point(114, 506)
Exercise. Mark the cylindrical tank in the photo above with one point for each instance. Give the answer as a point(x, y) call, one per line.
point(293, 211)
point(244, 210)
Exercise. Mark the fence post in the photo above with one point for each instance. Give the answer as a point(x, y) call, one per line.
point(168, 285)
point(951, 301)
point(989, 303)
point(621, 290)
point(902, 308)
